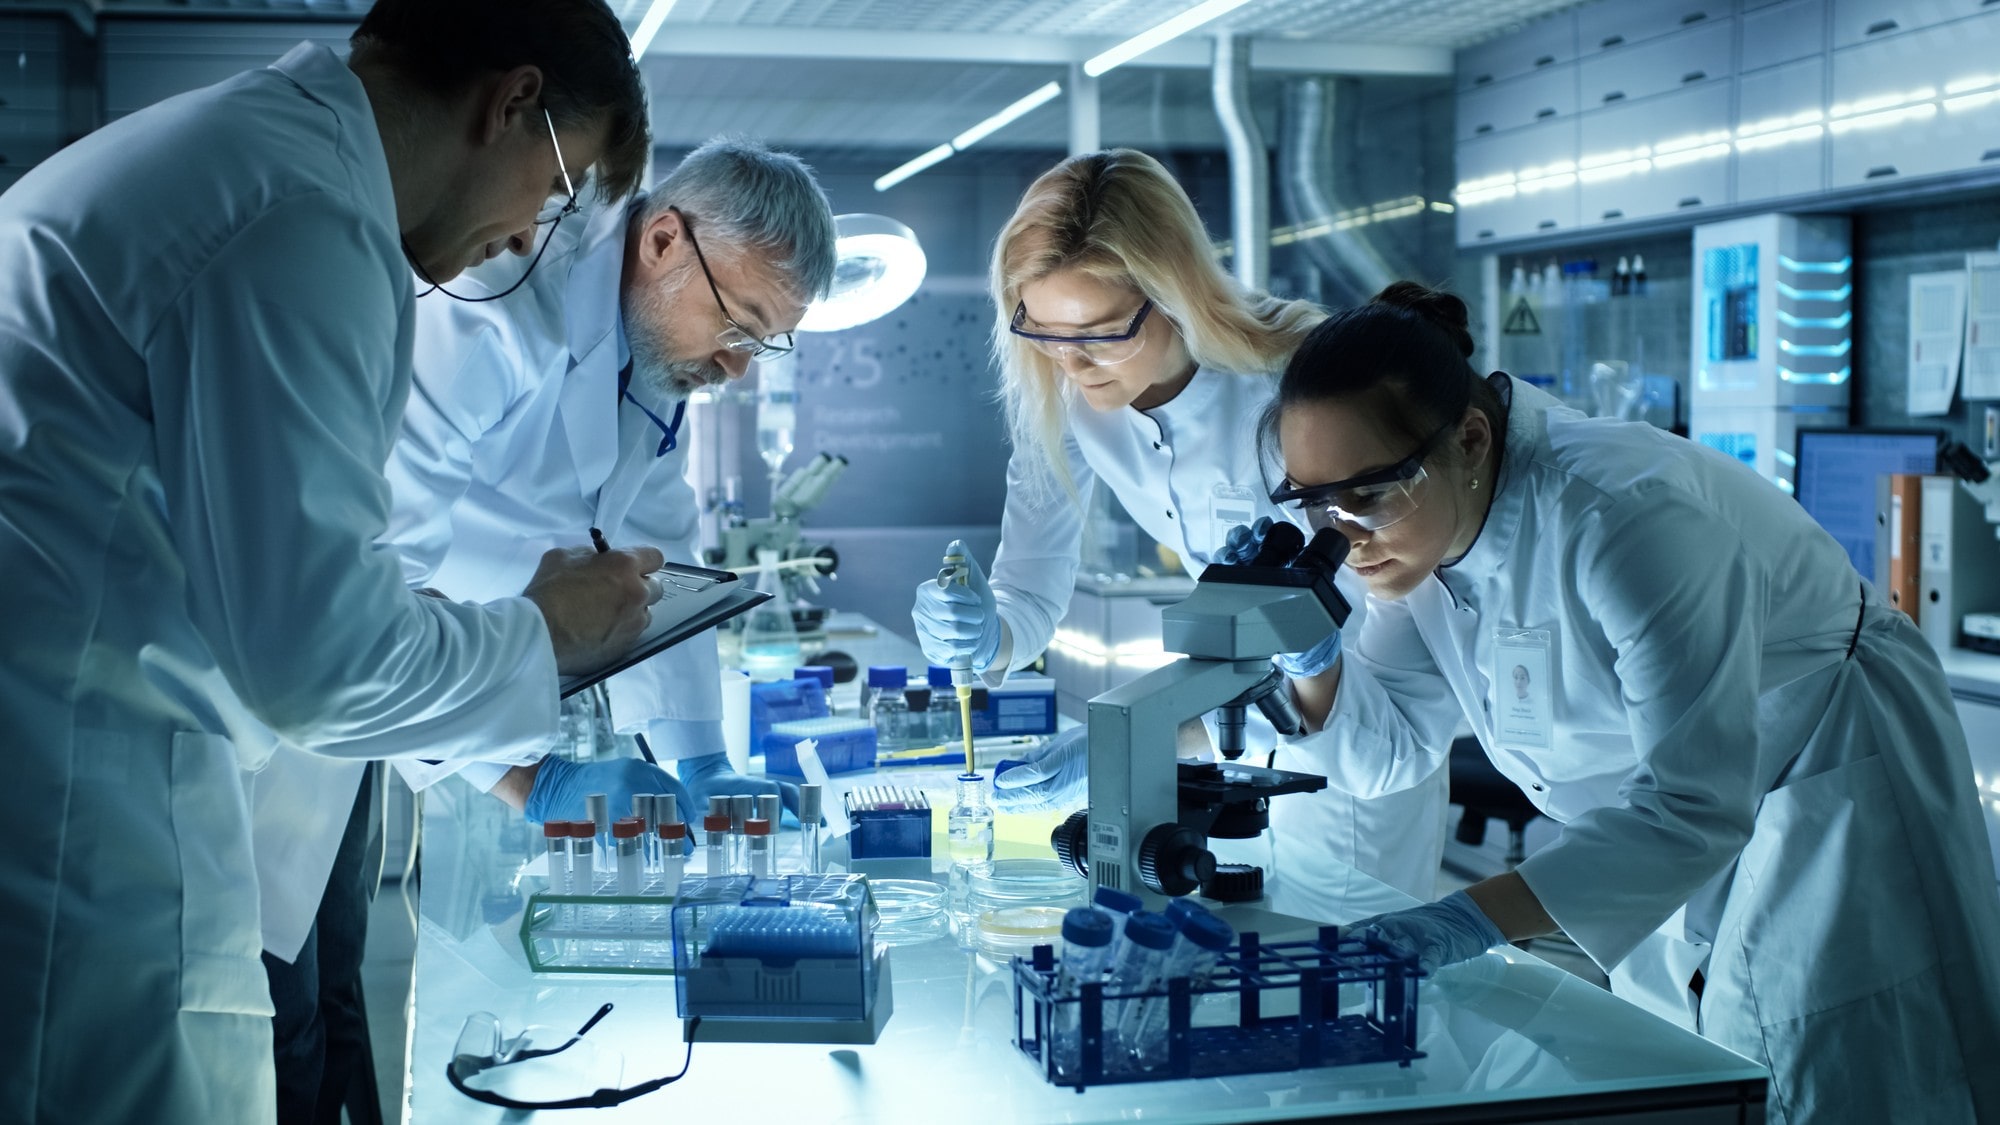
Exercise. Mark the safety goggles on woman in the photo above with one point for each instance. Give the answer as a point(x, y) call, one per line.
point(1098, 351)
point(1371, 501)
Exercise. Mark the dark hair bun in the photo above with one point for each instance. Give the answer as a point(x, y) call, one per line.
point(1442, 309)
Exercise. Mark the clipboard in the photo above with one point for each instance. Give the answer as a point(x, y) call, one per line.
point(694, 600)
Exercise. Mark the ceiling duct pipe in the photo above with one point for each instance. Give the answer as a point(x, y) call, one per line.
point(1249, 163)
point(1306, 175)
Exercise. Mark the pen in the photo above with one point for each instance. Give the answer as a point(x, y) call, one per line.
point(597, 540)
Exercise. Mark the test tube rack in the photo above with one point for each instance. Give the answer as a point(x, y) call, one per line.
point(1308, 976)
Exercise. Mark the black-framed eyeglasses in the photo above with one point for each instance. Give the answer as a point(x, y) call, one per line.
point(1372, 500)
point(554, 211)
point(1100, 351)
point(733, 336)
point(481, 1049)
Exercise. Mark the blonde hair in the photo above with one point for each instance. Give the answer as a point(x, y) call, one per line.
point(1118, 216)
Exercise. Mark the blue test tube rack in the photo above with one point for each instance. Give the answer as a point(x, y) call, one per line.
point(1385, 1030)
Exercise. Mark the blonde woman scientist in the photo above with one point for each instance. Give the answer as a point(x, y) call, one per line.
point(1129, 357)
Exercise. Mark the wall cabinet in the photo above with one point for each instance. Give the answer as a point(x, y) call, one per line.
point(1702, 54)
point(1787, 162)
point(1781, 33)
point(1542, 44)
point(1962, 133)
point(1865, 21)
point(1518, 102)
point(1685, 181)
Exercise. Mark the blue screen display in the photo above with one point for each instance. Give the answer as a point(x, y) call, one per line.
point(1836, 481)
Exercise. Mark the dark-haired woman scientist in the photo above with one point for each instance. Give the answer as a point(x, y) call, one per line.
point(1770, 832)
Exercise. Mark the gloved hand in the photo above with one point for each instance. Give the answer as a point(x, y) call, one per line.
point(1055, 776)
point(1444, 932)
point(710, 776)
point(958, 621)
point(1242, 545)
point(560, 786)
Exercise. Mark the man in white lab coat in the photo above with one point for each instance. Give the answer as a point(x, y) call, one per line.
point(205, 323)
point(554, 410)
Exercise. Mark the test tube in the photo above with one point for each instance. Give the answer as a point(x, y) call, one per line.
point(597, 806)
point(715, 838)
point(757, 847)
point(555, 836)
point(809, 814)
point(673, 860)
point(742, 807)
point(642, 811)
point(667, 810)
point(1139, 966)
point(629, 832)
point(582, 857)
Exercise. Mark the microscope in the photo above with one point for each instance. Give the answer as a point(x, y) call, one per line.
point(794, 496)
point(1150, 816)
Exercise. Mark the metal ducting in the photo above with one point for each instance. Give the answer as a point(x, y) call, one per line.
point(1249, 163)
point(1312, 202)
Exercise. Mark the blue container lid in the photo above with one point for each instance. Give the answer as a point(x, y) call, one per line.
point(1124, 902)
point(1150, 930)
point(888, 676)
point(1180, 909)
point(818, 672)
point(1084, 926)
point(1208, 931)
point(938, 675)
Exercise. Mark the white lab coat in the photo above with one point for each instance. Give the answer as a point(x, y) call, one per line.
point(514, 441)
point(204, 348)
point(1187, 472)
point(1803, 822)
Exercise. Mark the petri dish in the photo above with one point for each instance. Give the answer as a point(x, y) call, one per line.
point(1017, 930)
point(1007, 883)
point(909, 911)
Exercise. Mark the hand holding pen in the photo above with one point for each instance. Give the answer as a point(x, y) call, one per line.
point(595, 600)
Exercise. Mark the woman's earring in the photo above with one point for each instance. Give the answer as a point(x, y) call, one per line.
point(1475, 484)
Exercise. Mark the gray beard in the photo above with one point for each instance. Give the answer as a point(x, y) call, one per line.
point(645, 312)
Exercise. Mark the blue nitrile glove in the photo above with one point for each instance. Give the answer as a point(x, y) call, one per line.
point(1243, 542)
point(956, 621)
point(1055, 776)
point(1444, 932)
point(560, 786)
point(1242, 545)
point(710, 776)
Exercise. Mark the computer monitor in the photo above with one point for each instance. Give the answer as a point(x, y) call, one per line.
point(1836, 480)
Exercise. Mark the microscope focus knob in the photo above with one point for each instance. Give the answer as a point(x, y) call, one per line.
point(1071, 840)
point(1174, 860)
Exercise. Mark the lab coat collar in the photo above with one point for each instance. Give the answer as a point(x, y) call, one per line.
point(323, 74)
point(1527, 443)
point(591, 308)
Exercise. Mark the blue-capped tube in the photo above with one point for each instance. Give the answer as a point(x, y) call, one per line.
point(1140, 964)
point(1087, 947)
point(1202, 941)
point(1120, 905)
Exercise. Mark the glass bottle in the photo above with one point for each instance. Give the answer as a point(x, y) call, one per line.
point(917, 718)
point(889, 712)
point(770, 640)
point(944, 706)
point(969, 842)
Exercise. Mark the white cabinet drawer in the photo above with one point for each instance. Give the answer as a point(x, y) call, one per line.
point(1782, 33)
point(1703, 54)
point(1518, 102)
point(1610, 24)
point(1545, 202)
point(1898, 81)
point(1539, 45)
point(1862, 21)
point(1785, 154)
point(1695, 175)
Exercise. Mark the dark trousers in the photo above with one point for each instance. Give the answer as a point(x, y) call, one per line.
point(320, 1032)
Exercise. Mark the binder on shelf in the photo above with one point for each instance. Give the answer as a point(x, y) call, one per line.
point(1898, 535)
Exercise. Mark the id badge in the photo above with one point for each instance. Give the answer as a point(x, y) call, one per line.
point(1228, 507)
point(1524, 688)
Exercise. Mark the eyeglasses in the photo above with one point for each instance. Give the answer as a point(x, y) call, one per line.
point(478, 1062)
point(1371, 501)
point(554, 211)
point(734, 336)
point(1099, 351)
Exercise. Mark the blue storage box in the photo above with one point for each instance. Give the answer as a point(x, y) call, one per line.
point(783, 701)
point(844, 745)
point(1022, 705)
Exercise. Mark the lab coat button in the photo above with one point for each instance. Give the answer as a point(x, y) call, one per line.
point(1538, 787)
point(1170, 513)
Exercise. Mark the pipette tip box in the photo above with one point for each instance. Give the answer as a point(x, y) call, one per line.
point(888, 823)
point(845, 745)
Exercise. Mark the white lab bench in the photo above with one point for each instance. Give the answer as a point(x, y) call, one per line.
point(1506, 1037)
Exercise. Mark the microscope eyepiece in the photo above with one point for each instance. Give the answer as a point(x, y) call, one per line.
point(1280, 544)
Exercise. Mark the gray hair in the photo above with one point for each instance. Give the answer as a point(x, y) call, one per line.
point(749, 199)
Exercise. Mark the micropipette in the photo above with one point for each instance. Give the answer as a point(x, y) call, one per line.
point(956, 569)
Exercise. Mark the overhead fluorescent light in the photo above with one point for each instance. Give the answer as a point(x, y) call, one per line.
point(904, 171)
point(1159, 33)
point(649, 26)
point(1005, 117)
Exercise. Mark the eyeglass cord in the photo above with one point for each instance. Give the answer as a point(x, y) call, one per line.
point(438, 286)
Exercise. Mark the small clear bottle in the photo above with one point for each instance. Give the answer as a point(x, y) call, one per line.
point(642, 811)
point(810, 860)
point(673, 858)
point(715, 838)
point(887, 710)
point(770, 639)
point(943, 715)
point(628, 835)
point(917, 718)
point(969, 842)
point(758, 844)
point(597, 807)
point(555, 837)
point(742, 807)
point(582, 857)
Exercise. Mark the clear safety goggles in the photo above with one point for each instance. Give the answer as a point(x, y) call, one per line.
point(541, 1067)
point(1371, 501)
point(1098, 351)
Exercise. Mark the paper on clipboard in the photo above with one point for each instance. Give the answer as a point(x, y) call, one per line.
point(693, 600)
point(1937, 336)
point(1982, 327)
